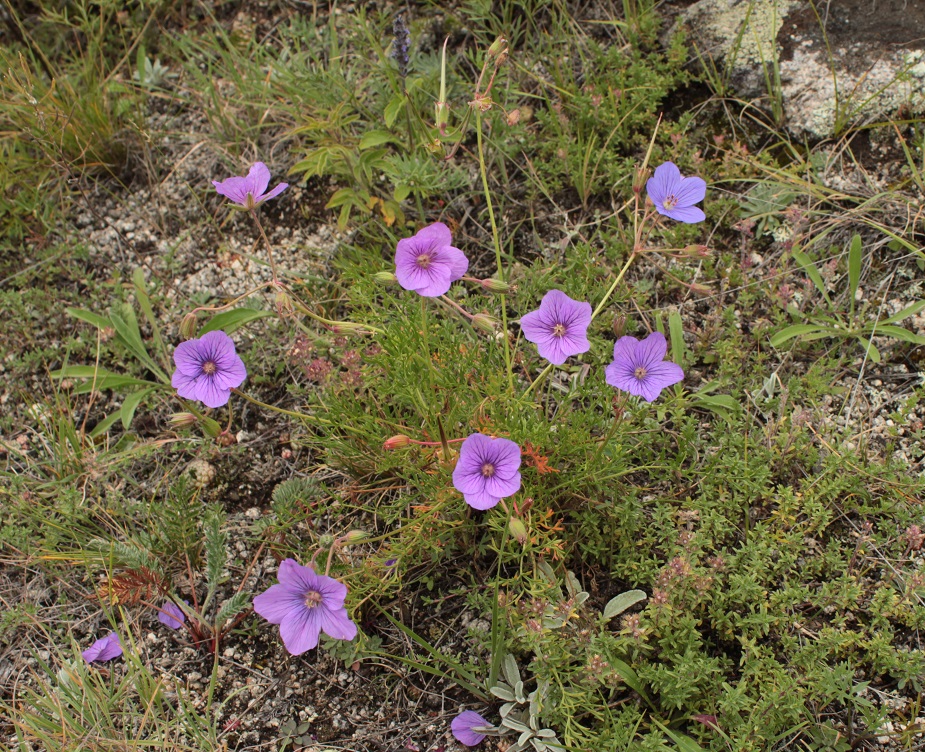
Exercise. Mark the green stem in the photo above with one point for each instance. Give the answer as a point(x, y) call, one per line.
point(301, 416)
point(269, 247)
point(497, 243)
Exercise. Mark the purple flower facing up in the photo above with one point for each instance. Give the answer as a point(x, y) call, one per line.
point(487, 470)
point(427, 263)
point(249, 191)
point(104, 649)
point(464, 728)
point(304, 604)
point(559, 327)
point(639, 366)
point(171, 615)
point(675, 196)
point(208, 369)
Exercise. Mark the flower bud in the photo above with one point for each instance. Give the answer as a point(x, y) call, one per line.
point(399, 441)
point(283, 304)
point(347, 327)
point(513, 117)
point(697, 250)
point(441, 117)
point(385, 278)
point(485, 323)
point(210, 427)
point(518, 529)
point(619, 325)
point(495, 285)
point(497, 47)
point(188, 326)
point(353, 536)
point(182, 420)
point(639, 181)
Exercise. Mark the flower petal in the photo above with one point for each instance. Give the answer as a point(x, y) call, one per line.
point(300, 629)
point(690, 191)
point(258, 178)
point(233, 188)
point(662, 184)
point(337, 624)
point(274, 193)
point(651, 350)
point(688, 214)
point(278, 601)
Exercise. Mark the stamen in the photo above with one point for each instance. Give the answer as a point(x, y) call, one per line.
point(423, 260)
point(209, 367)
point(312, 598)
point(488, 470)
point(640, 373)
point(558, 330)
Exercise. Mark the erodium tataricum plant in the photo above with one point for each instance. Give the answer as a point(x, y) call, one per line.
point(675, 196)
point(427, 262)
point(304, 604)
point(559, 328)
point(639, 366)
point(208, 369)
point(487, 470)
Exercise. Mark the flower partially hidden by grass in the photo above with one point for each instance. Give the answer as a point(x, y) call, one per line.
point(304, 604)
point(249, 191)
point(467, 727)
point(171, 615)
point(559, 328)
point(104, 649)
point(639, 366)
point(208, 369)
point(487, 470)
point(427, 263)
point(675, 196)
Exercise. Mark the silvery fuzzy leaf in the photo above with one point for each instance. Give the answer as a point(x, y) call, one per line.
point(525, 737)
point(618, 604)
point(513, 723)
point(546, 733)
point(507, 708)
point(511, 672)
point(502, 693)
point(519, 692)
point(538, 745)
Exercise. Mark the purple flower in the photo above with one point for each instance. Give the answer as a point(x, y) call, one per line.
point(464, 727)
point(304, 604)
point(675, 196)
point(639, 367)
point(249, 191)
point(487, 470)
point(427, 263)
point(559, 328)
point(104, 649)
point(208, 369)
point(171, 615)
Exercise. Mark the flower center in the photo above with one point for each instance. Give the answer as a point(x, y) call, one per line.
point(424, 260)
point(640, 373)
point(312, 598)
point(558, 330)
point(209, 368)
point(670, 202)
point(488, 470)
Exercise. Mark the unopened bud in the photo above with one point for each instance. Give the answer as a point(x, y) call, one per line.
point(283, 304)
point(441, 117)
point(513, 117)
point(639, 181)
point(385, 278)
point(495, 285)
point(619, 325)
point(696, 250)
point(182, 420)
point(497, 47)
point(210, 427)
point(188, 326)
point(347, 327)
point(399, 441)
point(518, 530)
point(353, 536)
point(485, 323)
